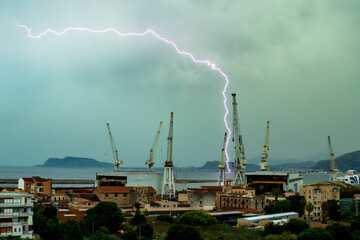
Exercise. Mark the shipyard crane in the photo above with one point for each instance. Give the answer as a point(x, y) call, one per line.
point(333, 170)
point(222, 163)
point(150, 161)
point(240, 159)
point(264, 165)
point(114, 150)
point(168, 186)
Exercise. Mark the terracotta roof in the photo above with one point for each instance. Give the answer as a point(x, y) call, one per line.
point(212, 188)
point(110, 189)
point(37, 179)
point(151, 189)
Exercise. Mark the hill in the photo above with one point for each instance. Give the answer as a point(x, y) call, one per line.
point(343, 162)
point(75, 162)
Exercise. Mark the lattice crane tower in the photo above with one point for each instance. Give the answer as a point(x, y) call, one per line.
point(168, 188)
point(240, 159)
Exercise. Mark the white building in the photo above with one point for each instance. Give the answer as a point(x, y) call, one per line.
point(16, 215)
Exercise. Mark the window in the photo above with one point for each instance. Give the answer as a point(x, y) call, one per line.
point(106, 195)
point(116, 194)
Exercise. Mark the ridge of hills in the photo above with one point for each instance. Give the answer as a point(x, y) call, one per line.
point(343, 163)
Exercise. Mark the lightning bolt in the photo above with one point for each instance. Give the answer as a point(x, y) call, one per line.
point(169, 42)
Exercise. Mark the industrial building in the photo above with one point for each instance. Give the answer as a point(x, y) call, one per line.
point(265, 181)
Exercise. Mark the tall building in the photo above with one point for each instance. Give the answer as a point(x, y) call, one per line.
point(318, 193)
point(16, 215)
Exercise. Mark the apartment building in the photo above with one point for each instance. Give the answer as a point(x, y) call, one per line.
point(126, 196)
point(246, 201)
point(16, 215)
point(318, 193)
point(40, 187)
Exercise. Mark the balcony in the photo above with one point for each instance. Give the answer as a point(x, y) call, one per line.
point(4, 234)
point(14, 214)
point(9, 224)
point(28, 204)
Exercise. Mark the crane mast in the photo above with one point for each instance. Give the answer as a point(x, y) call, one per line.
point(168, 186)
point(240, 159)
point(222, 163)
point(114, 150)
point(333, 170)
point(264, 165)
point(168, 162)
point(150, 161)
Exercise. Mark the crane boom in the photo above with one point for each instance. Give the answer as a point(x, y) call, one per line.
point(150, 161)
point(240, 159)
point(264, 165)
point(114, 150)
point(333, 170)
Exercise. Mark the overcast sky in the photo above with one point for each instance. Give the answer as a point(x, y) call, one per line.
point(294, 63)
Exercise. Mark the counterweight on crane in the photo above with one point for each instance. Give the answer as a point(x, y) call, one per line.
point(240, 159)
point(264, 165)
point(222, 163)
point(150, 161)
point(114, 150)
point(333, 170)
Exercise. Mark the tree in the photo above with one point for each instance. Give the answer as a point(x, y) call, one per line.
point(71, 230)
point(317, 233)
point(138, 217)
point(165, 218)
point(324, 211)
point(276, 192)
point(296, 226)
point(309, 207)
point(145, 231)
point(297, 204)
point(279, 207)
point(272, 228)
point(283, 236)
point(349, 191)
point(45, 222)
point(181, 232)
point(339, 231)
point(197, 218)
point(104, 214)
point(334, 210)
point(101, 234)
point(355, 224)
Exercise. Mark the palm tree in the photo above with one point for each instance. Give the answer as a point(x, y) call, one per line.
point(324, 211)
point(309, 207)
point(302, 204)
point(276, 192)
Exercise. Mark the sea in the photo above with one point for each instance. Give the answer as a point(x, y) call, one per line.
point(90, 173)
